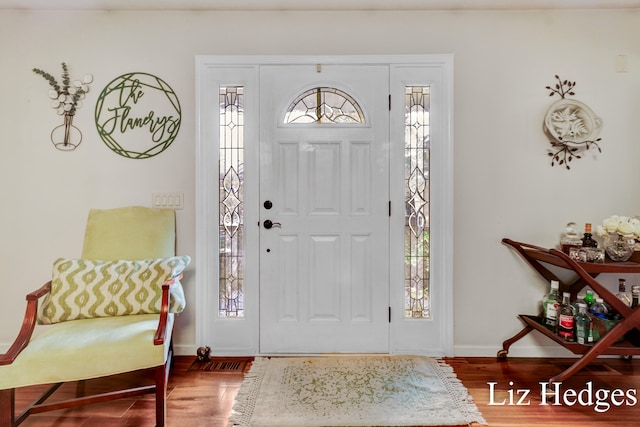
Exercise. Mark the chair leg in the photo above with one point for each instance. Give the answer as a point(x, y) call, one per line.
point(162, 374)
point(81, 388)
point(7, 407)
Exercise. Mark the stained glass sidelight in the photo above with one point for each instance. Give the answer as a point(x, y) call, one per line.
point(417, 298)
point(231, 185)
point(324, 105)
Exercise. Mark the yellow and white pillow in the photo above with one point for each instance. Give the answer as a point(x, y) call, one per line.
point(82, 289)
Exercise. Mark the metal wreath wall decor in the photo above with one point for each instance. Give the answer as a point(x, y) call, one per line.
point(138, 115)
point(572, 126)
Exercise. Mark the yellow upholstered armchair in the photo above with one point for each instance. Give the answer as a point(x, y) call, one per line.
point(109, 312)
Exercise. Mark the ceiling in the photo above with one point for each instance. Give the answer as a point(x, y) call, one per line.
point(276, 5)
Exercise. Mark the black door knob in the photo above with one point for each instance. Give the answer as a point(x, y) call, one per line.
point(269, 224)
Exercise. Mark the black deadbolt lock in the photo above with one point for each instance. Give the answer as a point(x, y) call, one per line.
point(268, 204)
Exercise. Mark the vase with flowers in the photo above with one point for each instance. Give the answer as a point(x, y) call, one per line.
point(620, 235)
point(66, 98)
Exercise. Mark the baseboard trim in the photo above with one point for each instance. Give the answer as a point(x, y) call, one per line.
point(515, 351)
point(459, 350)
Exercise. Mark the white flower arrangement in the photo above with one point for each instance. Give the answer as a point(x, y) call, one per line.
point(66, 98)
point(622, 225)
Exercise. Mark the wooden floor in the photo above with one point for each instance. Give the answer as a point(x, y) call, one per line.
point(201, 398)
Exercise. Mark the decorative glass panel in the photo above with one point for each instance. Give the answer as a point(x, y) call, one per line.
point(324, 105)
point(231, 187)
point(417, 298)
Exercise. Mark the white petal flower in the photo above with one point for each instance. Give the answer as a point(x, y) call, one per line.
point(72, 90)
point(67, 107)
point(60, 111)
point(77, 83)
point(78, 104)
point(611, 224)
point(625, 228)
point(62, 97)
point(87, 78)
point(53, 94)
point(55, 103)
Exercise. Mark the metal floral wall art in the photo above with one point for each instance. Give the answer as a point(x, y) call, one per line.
point(66, 98)
point(572, 126)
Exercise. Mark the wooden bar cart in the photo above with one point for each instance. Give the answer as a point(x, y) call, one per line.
point(612, 343)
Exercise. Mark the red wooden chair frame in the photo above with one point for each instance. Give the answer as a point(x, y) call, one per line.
point(8, 417)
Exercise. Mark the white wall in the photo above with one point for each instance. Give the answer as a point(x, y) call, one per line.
point(504, 184)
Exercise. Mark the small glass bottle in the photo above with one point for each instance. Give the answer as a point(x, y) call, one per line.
point(587, 239)
point(579, 300)
point(589, 298)
point(571, 239)
point(622, 294)
point(584, 333)
point(635, 296)
point(566, 318)
point(550, 304)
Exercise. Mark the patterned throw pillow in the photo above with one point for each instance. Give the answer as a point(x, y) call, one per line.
point(82, 289)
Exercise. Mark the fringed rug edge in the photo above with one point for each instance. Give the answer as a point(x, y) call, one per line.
point(458, 392)
point(245, 400)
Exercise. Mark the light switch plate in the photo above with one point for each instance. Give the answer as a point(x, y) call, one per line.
point(168, 200)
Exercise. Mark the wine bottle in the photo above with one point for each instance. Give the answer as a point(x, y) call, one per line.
point(566, 318)
point(550, 304)
point(584, 334)
point(622, 294)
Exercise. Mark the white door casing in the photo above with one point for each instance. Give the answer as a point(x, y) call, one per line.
point(324, 271)
point(241, 336)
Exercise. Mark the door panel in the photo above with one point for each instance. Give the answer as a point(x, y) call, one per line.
point(324, 278)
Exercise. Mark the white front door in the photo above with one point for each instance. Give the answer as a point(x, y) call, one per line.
point(323, 280)
point(324, 262)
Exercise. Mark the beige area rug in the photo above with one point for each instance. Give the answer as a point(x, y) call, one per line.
point(352, 391)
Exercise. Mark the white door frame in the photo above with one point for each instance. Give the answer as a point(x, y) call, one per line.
point(240, 336)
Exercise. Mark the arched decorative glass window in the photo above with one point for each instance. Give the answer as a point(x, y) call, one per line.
point(324, 105)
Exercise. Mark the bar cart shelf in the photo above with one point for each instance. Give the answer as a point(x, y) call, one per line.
point(613, 343)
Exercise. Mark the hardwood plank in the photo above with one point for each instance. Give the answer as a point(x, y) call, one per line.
point(206, 398)
point(527, 373)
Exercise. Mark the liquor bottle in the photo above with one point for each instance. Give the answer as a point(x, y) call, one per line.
point(587, 239)
point(633, 336)
point(566, 318)
point(550, 304)
point(584, 334)
point(571, 239)
point(589, 298)
point(598, 309)
point(579, 300)
point(622, 294)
